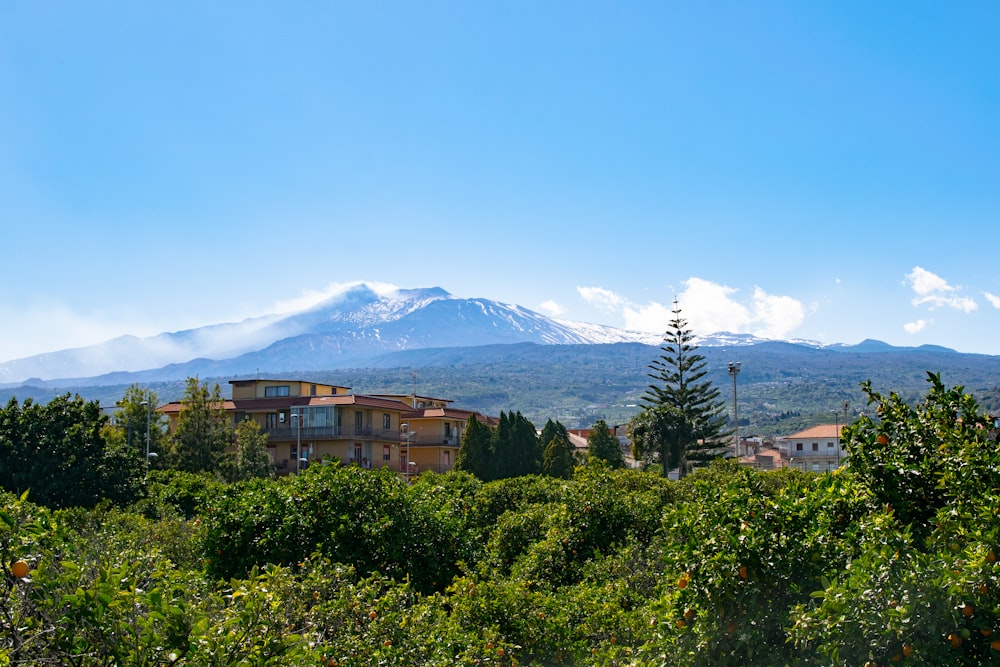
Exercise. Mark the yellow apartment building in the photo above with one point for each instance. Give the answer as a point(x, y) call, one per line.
point(307, 422)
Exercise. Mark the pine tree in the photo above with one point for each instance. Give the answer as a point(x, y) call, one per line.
point(474, 453)
point(603, 444)
point(679, 383)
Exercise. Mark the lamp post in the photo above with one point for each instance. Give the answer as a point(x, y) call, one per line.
point(836, 422)
point(149, 409)
point(734, 370)
point(298, 439)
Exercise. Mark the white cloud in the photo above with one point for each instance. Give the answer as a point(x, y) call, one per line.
point(934, 291)
point(777, 316)
point(601, 298)
point(708, 307)
point(993, 299)
point(310, 298)
point(552, 308)
point(915, 327)
point(652, 317)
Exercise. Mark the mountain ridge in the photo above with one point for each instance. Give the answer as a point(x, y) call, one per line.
point(349, 328)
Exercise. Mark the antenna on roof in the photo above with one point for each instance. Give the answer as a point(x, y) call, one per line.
point(413, 375)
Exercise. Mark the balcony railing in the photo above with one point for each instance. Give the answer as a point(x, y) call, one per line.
point(432, 440)
point(331, 432)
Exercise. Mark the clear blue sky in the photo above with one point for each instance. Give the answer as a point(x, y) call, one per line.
point(818, 170)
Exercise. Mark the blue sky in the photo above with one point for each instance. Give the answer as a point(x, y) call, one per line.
point(818, 170)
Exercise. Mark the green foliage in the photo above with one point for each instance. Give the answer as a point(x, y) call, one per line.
point(177, 493)
point(344, 566)
point(137, 419)
point(920, 459)
point(58, 451)
point(251, 459)
point(365, 518)
point(516, 450)
point(475, 453)
point(603, 445)
point(203, 430)
point(557, 460)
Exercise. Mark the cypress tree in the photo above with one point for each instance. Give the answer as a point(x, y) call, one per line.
point(474, 453)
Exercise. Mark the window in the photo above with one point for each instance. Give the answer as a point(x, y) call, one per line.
point(829, 444)
point(386, 421)
point(447, 429)
point(798, 446)
point(359, 422)
point(385, 453)
point(276, 391)
point(447, 458)
point(271, 420)
point(815, 446)
point(312, 390)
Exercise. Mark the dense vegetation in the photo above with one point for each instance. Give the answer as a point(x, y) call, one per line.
point(890, 561)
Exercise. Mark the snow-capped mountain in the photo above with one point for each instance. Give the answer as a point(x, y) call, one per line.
point(349, 327)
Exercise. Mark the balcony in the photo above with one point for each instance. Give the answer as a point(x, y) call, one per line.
point(286, 433)
point(417, 440)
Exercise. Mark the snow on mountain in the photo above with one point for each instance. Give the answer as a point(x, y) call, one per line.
point(357, 321)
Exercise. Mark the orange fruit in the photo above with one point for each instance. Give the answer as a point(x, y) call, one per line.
point(986, 632)
point(373, 614)
point(19, 569)
point(743, 572)
point(907, 650)
point(689, 614)
point(991, 556)
point(967, 610)
point(995, 646)
point(955, 640)
point(683, 581)
point(681, 623)
point(883, 439)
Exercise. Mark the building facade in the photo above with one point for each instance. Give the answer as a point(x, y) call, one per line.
point(309, 422)
point(818, 449)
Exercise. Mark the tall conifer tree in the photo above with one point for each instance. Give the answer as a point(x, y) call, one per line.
point(475, 454)
point(680, 384)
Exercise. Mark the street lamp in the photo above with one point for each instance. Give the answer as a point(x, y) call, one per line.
point(734, 370)
point(298, 439)
point(149, 409)
point(836, 422)
point(404, 435)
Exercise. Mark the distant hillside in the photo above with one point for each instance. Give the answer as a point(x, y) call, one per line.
point(782, 387)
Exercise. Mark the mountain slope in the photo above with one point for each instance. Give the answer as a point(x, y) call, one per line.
point(356, 323)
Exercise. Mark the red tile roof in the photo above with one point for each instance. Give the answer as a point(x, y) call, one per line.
point(820, 432)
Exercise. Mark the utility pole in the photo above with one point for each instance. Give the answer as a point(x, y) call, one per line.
point(734, 370)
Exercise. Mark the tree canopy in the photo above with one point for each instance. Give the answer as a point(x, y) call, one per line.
point(203, 429)
point(603, 444)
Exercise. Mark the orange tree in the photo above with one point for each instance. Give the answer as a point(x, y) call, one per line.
point(923, 589)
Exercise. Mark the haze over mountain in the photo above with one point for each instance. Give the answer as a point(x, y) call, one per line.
point(351, 326)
